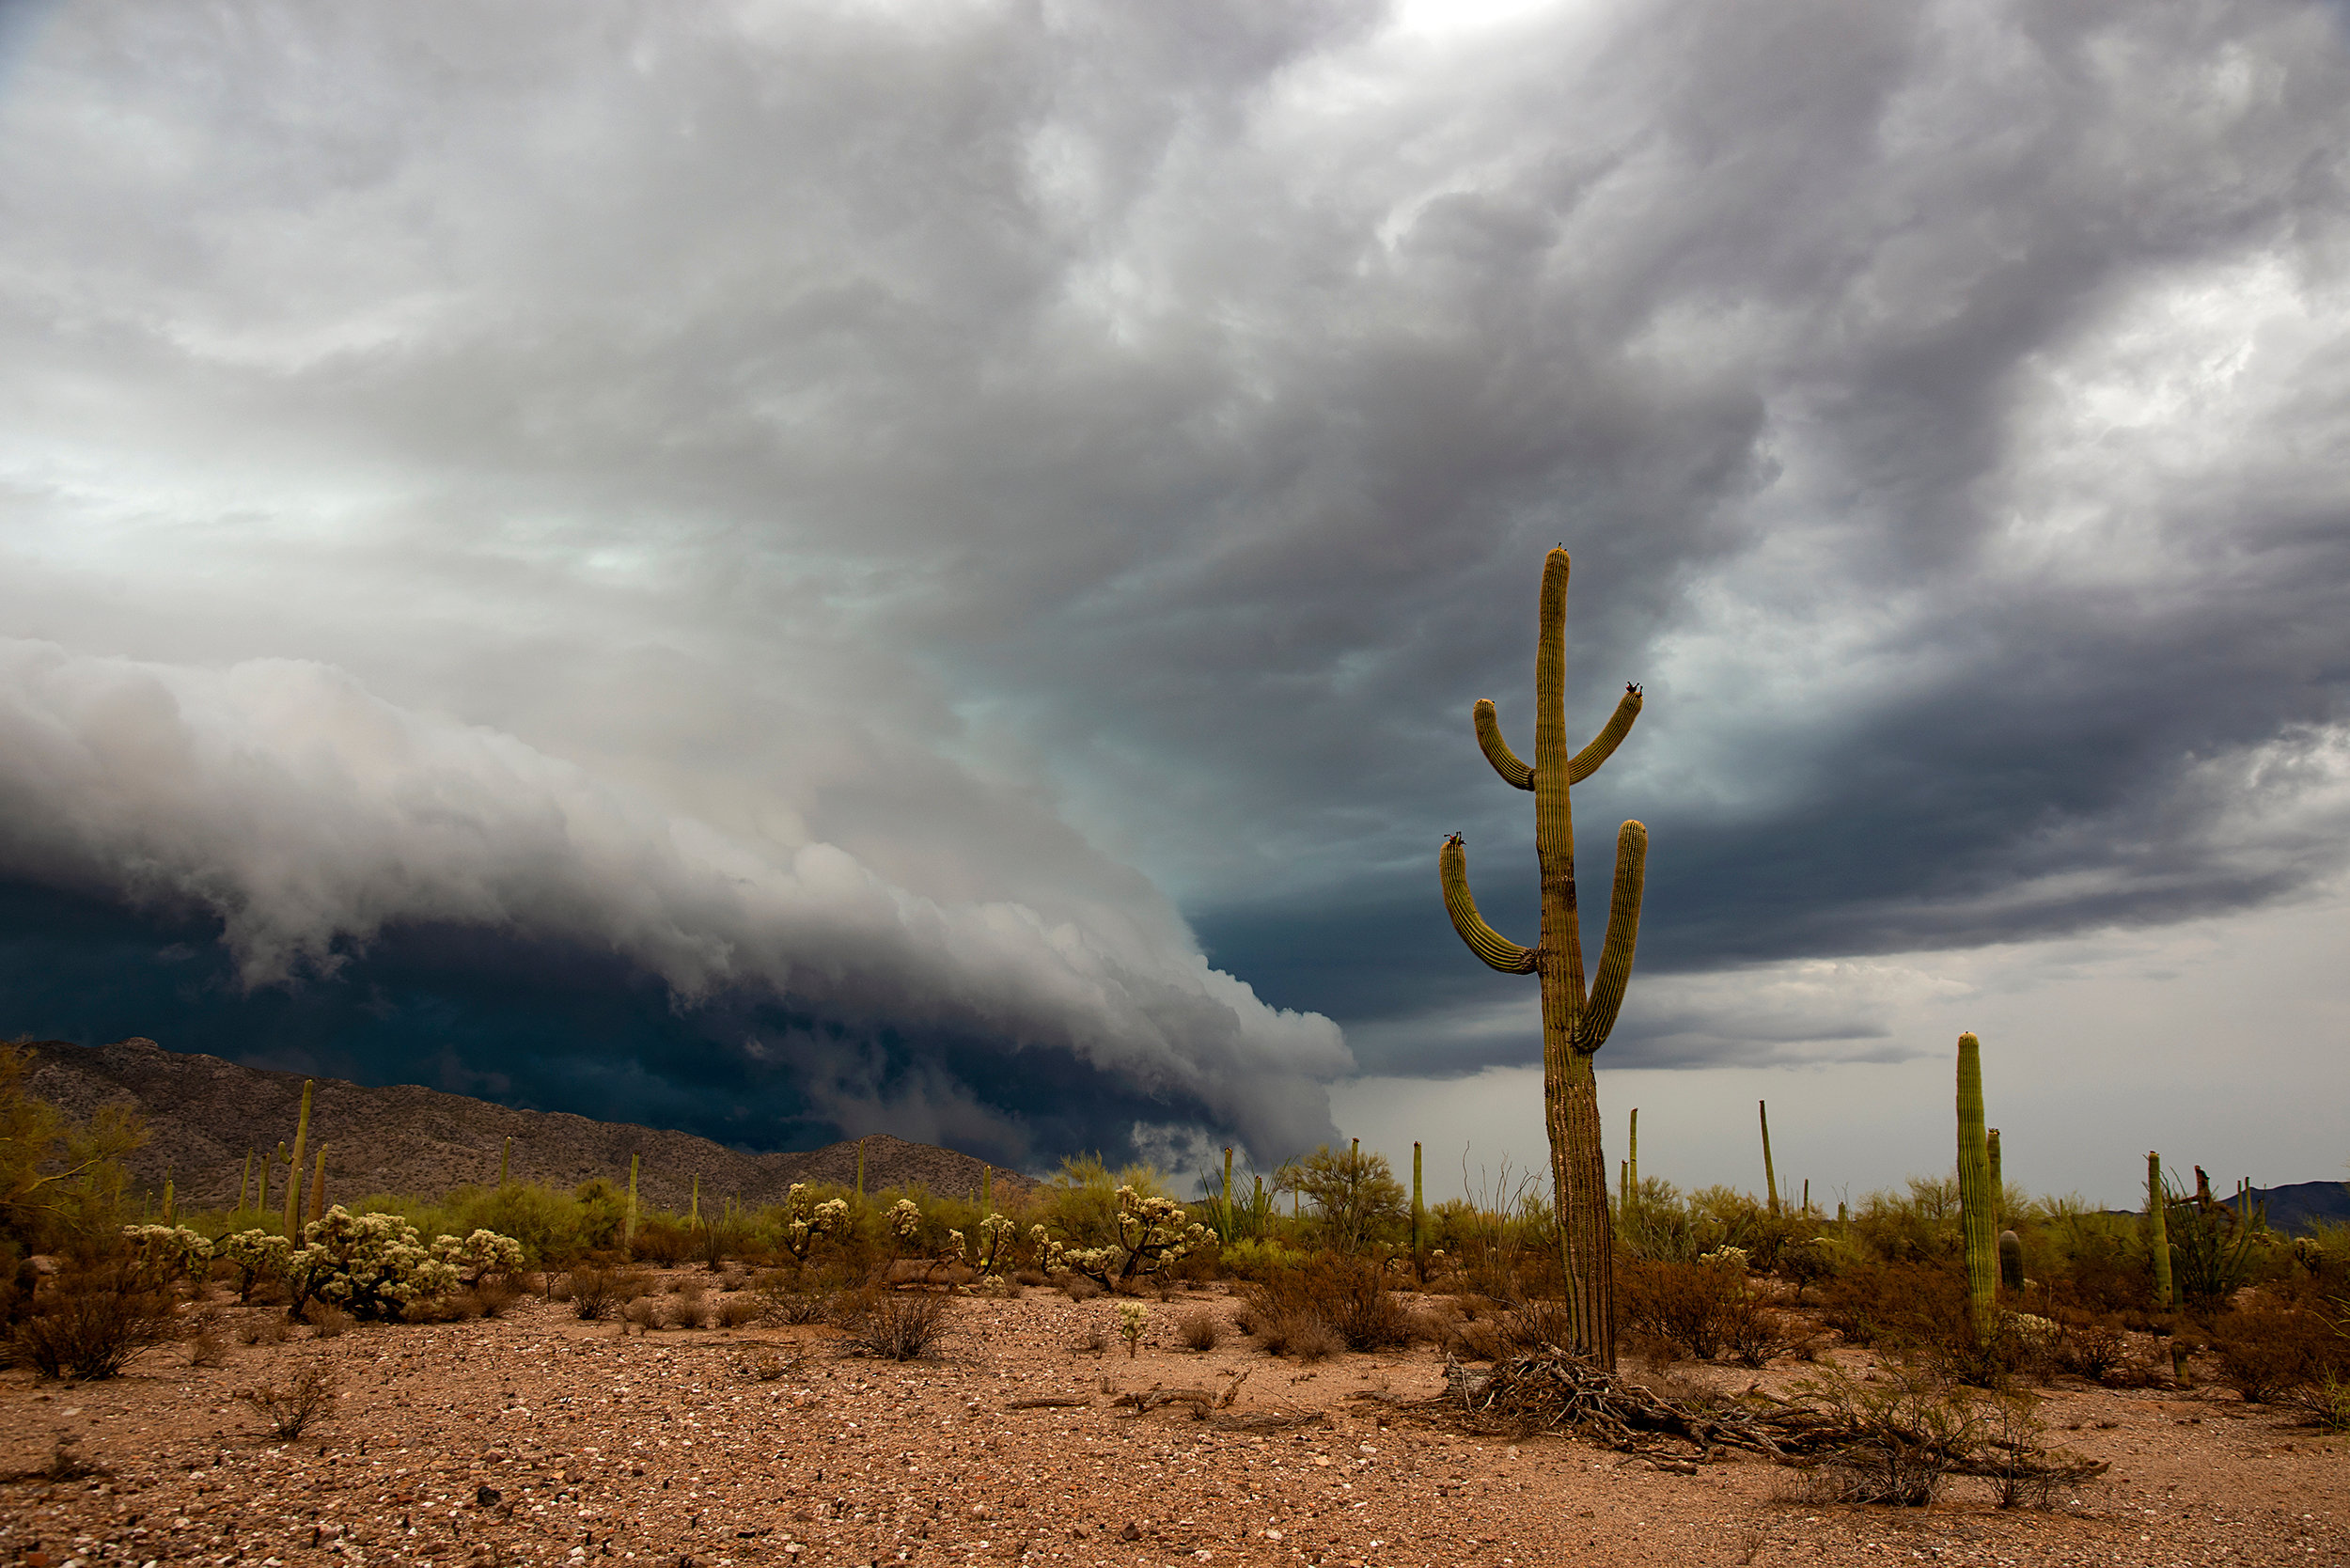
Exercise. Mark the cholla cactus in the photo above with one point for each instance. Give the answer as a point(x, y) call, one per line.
point(1152, 1232)
point(998, 1236)
point(256, 1255)
point(953, 1250)
point(1131, 1321)
point(807, 1222)
point(370, 1266)
point(167, 1251)
point(905, 1221)
point(1727, 1256)
point(479, 1256)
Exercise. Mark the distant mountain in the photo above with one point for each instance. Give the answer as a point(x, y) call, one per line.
point(203, 1114)
point(2303, 1205)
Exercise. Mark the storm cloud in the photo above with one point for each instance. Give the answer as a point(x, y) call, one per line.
point(982, 524)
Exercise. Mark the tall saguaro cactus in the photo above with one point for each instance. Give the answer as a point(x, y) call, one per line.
point(1977, 1228)
point(1577, 1019)
point(293, 1168)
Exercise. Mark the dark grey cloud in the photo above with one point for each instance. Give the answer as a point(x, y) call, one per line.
point(1087, 459)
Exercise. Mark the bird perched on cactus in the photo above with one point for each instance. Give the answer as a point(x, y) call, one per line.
point(1576, 1020)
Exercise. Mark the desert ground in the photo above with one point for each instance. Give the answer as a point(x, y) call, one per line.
point(534, 1437)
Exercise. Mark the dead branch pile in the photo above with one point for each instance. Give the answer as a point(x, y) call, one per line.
point(1832, 1421)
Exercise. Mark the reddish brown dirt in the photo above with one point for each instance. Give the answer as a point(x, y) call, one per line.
point(537, 1438)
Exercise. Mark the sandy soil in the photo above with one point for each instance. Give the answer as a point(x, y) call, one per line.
point(537, 1438)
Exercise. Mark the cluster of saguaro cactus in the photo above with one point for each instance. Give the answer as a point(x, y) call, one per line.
point(1576, 1020)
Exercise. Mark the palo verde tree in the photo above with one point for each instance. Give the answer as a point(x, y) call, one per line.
point(1576, 1019)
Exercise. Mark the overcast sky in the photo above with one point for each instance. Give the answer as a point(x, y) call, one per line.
point(803, 569)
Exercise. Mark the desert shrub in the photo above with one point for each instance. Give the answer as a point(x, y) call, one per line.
point(326, 1322)
point(2325, 1404)
point(207, 1346)
point(894, 1326)
point(642, 1314)
point(91, 1323)
point(256, 1255)
point(258, 1329)
point(60, 1188)
point(2090, 1346)
point(596, 1293)
point(739, 1308)
point(1691, 1305)
point(1077, 1287)
point(1200, 1329)
point(2265, 1351)
point(690, 1308)
point(495, 1298)
point(1907, 1433)
point(306, 1398)
point(661, 1240)
point(1302, 1334)
point(789, 1296)
point(1257, 1258)
point(1349, 1296)
point(370, 1266)
point(1356, 1198)
point(1895, 1303)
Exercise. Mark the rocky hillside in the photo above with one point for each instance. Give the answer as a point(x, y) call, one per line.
point(203, 1113)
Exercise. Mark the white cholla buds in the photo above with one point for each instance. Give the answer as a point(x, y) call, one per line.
point(905, 1219)
point(167, 1251)
point(479, 1256)
point(370, 1266)
point(1152, 1232)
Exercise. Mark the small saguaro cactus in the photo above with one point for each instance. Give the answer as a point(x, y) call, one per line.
point(293, 1168)
point(2011, 1263)
point(1576, 1020)
point(1420, 1219)
point(628, 1227)
point(2158, 1231)
point(860, 1169)
point(317, 1187)
point(1770, 1176)
point(1974, 1192)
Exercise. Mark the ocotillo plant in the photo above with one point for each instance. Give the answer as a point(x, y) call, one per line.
point(2158, 1231)
point(1770, 1176)
point(1575, 1021)
point(293, 1170)
point(1974, 1192)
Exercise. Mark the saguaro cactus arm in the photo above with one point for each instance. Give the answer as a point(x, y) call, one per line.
point(1586, 761)
point(1623, 934)
point(1513, 773)
point(1486, 943)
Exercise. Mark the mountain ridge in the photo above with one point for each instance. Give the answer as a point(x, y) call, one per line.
point(203, 1113)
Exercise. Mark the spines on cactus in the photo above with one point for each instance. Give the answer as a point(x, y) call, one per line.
point(1576, 1020)
point(1974, 1191)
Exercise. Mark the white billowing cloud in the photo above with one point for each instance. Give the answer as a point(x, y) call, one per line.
point(308, 816)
